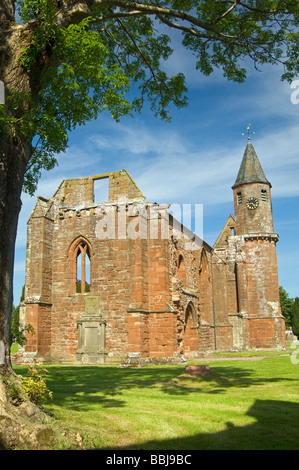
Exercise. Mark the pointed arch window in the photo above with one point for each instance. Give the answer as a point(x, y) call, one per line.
point(81, 266)
point(83, 269)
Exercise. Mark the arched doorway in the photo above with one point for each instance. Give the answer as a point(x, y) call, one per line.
point(191, 329)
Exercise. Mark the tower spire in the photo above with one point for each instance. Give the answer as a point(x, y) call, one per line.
point(251, 170)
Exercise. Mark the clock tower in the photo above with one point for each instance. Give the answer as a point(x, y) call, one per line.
point(256, 271)
point(252, 196)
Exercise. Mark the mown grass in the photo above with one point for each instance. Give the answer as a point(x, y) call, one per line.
point(242, 404)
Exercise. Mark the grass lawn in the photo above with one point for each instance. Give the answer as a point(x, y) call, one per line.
point(243, 404)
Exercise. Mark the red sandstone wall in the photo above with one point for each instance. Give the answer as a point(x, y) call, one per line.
point(258, 220)
point(39, 317)
point(267, 330)
point(155, 296)
point(262, 277)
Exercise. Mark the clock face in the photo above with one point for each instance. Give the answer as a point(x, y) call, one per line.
point(252, 203)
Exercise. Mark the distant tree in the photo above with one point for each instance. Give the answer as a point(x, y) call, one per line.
point(78, 287)
point(295, 317)
point(286, 304)
point(17, 334)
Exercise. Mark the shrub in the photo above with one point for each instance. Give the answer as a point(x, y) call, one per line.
point(34, 385)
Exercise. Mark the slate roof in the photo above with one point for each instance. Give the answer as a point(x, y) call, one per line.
point(250, 170)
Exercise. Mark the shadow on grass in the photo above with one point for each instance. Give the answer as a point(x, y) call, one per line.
point(81, 387)
point(276, 428)
point(275, 423)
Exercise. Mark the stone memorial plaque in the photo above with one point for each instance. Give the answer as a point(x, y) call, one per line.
point(92, 305)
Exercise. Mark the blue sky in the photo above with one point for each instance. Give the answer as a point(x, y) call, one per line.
point(195, 159)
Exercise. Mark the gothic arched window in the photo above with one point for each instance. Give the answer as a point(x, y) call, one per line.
point(80, 258)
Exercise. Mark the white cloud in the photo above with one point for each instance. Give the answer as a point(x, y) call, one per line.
point(170, 168)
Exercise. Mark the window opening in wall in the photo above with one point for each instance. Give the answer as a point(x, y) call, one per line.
point(83, 269)
point(181, 269)
point(87, 272)
point(79, 274)
point(239, 199)
point(180, 262)
point(101, 189)
point(264, 195)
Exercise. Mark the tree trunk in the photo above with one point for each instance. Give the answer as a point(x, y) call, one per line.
point(13, 156)
point(20, 420)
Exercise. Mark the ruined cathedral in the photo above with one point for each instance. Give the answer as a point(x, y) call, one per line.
point(120, 280)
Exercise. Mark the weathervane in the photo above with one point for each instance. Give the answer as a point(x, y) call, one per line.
point(248, 132)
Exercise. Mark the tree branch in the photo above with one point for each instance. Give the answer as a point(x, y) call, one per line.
point(227, 12)
point(184, 28)
point(71, 10)
point(156, 10)
point(155, 77)
point(266, 12)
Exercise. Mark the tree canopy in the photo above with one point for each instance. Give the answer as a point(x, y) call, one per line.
point(286, 304)
point(295, 317)
point(83, 56)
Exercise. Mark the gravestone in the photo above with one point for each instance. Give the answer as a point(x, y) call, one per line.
point(91, 329)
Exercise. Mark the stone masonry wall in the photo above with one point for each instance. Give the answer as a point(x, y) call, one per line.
point(266, 324)
point(131, 276)
point(154, 296)
point(259, 220)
